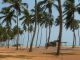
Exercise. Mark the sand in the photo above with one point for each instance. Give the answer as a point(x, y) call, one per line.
point(67, 53)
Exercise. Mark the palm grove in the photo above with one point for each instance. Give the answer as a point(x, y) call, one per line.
point(39, 17)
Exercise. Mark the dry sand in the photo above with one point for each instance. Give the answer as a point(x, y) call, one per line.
point(67, 53)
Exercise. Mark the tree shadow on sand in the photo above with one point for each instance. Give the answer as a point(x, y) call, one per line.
point(63, 53)
point(7, 52)
point(17, 56)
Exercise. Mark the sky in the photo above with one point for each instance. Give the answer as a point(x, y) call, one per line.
point(67, 35)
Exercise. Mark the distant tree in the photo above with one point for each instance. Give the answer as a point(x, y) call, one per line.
point(16, 5)
point(71, 22)
point(26, 18)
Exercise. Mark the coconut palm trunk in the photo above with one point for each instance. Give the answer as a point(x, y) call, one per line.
point(34, 32)
point(37, 36)
point(46, 35)
point(17, 41)
point(74, 39)
point(40, 37)
point(49, 34)
point(50, 14)
point(7, 32)
point(79, 36)
point(28, 36)
point(60, 27)
point(8, 43)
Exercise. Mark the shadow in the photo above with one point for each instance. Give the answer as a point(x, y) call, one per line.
point(67, 49)
point(69, 53)
point(54, 53)
point(17, 56)
point(7, 52)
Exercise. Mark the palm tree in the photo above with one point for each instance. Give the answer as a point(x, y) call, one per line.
point(50, 14)
point(2, 34)
point(79, 36)
point(7, 17)
point(6, 34)
point(44, 22)
point(50, 26)
point(47, 4)
point(15, 33)
point(78, 10)
point(39, 15)
point(41, 36)
point(39, 19)
point(60, 27)
point(16, 5)
point(10, 35)
point(26, 21)
point(34, 32)
point(71, 23)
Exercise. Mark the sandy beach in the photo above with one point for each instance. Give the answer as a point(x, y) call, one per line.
point(67, 53)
